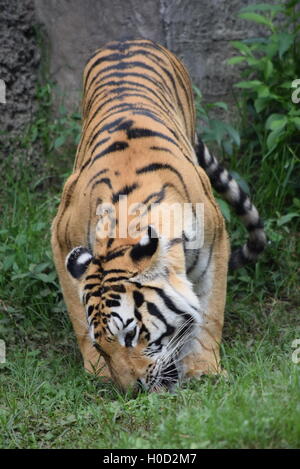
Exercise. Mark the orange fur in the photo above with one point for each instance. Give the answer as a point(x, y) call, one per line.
point(165, 93)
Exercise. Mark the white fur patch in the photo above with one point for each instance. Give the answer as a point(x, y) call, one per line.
point(233, 192)
point(224, 176)
point(144, 240)
point(85, 257)
point(207, 156)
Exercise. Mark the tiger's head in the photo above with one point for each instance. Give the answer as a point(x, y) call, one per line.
point(142, 313)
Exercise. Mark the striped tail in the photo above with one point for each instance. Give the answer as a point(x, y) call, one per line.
point(230, 190)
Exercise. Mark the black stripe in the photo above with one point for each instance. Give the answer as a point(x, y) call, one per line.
point(94, 276)
point(102, 181)
point(139, 252)
point(137, 315)
point(116, 146)
point(117, 57)
point(164, 89)
point(126, 190)
point(125, 66)
point(123, 45)
point(124, 107)
point(121, 97)
point(102, 171)
point(114, 254)
point(116, 279)
point(122, 65)
point(239, 204)
point(116, 315)
point(259, 225)
point(138, 298)
point(160, 166)
point(101, 142)
point(114, 271)
point(112, 303)
point(88, 286)
point(131, 86)
point(200, 154)
point(154, 311)
point(90, 310)
point(118, 288)
point(255, 246)
point(159, 196)
point(141, 133)
point(194, 263)
point(114, 296)
point(160, 149)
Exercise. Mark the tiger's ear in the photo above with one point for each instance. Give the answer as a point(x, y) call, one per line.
point(146, 247)
point(77, 261)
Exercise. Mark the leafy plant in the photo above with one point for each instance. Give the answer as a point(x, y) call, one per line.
point(219, 132)
point(220, 135)
point(270, 118)
point(264, 147)
point(52, 134)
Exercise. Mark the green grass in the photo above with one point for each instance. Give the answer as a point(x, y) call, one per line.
point(48, 401)
point(46, 398)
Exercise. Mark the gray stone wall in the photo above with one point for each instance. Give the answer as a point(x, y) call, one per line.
point(19, 62)
point(199, 31)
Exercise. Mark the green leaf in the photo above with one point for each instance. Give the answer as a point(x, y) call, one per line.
point(59, 141)
point(296, 202)
point(221, 105)
point(260, 104)
point(242, 47)
point(34, 133)
point(262, 7)
point(46, 278)
point(296, 121)
point(234, 134)
point(248, 84)
point(279, 124)
point(197, 92)
point(236, 60)
point(276, 122)
point(273, 139)
point(224, 207)
point(268, 69)
point(257, 19)
point(263, 91)
point(254, 62)
point(272, 47)
point(286, 218)
point(218, 130)
point(286, 85)
point(285, 41)
point(8, 262)
point(228, 148)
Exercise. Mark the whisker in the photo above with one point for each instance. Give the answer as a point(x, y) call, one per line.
point(174, 345)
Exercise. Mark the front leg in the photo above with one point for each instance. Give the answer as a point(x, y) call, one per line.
point(93, 362)
point(210, 286)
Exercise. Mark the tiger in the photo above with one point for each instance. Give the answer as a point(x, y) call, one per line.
point(147, 307)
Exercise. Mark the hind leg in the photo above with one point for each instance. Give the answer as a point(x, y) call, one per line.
point(204, 357)
point(93, 362)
